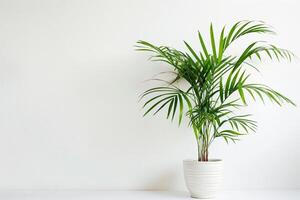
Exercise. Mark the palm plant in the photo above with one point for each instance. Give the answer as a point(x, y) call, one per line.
point(218, 84)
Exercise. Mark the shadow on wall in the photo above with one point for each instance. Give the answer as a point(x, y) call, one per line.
point(163, 181)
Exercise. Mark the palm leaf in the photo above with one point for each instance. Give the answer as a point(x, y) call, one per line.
point(216, 85)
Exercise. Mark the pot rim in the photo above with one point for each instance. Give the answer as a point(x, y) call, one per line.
point(213, 160)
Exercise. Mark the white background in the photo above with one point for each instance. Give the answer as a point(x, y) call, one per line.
point(69, 85)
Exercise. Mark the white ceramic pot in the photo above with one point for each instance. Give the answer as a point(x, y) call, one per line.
point(203, 179)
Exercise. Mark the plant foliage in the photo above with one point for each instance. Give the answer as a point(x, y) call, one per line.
point(218, 83)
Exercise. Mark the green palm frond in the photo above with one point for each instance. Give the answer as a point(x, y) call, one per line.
point(218, 83)
point(170, 97)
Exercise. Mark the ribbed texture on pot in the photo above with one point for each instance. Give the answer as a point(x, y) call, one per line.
point(203, 179)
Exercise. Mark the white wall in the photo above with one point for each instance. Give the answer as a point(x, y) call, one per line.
point(69, 84)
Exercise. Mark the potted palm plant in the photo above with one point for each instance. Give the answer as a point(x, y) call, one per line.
point(208, 87)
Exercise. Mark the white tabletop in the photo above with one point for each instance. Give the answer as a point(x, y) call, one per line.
point(143, 195)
